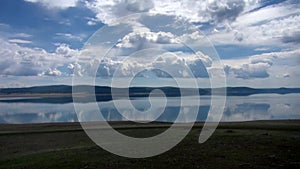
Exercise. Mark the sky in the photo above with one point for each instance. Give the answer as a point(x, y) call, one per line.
point(46, 42)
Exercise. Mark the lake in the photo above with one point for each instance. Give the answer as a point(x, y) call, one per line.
point(238, 108)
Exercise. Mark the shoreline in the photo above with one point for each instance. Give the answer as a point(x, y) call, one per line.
point(290, 124)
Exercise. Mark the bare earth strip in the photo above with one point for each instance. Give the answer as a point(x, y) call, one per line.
point(257, 144)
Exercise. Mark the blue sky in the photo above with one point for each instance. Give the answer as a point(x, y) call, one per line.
point(257, 41)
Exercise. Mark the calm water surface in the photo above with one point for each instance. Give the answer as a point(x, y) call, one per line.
point(238, 108)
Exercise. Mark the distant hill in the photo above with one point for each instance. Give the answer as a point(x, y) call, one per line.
point(142, 91)
point(63, 93)
point(245, 91)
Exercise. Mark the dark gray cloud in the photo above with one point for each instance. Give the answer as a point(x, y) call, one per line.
point(228, 10)
point(293, 37)
point(238, 36)
point(139, 5)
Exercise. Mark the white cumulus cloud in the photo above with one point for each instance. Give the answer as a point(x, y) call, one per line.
point(51, 72)
point(21, 41)
point(266, 65)
point(56, 3)
point(23, 61)
point(194, 11)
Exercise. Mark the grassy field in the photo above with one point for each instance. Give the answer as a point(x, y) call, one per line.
point(258, 144)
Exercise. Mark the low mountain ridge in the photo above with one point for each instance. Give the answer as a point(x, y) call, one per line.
point(145, 91)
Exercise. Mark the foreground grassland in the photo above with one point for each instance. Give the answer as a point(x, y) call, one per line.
point(259, 144)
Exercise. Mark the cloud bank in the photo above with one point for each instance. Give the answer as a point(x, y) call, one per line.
point(259, 25)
